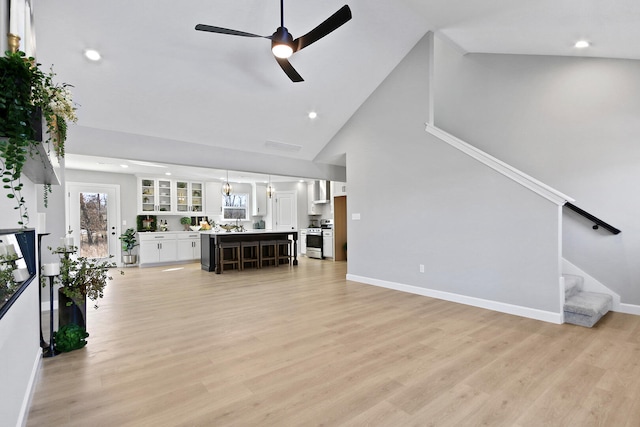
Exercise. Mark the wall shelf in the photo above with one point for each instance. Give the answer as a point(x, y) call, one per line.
point(38, 167)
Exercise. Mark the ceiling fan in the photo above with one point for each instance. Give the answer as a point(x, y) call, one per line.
point(282, 43)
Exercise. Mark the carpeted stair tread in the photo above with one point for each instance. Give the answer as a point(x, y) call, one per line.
point(586, 308)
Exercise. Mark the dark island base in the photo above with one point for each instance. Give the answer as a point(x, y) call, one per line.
point(210, 245)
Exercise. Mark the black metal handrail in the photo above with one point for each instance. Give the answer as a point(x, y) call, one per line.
point(597, 221)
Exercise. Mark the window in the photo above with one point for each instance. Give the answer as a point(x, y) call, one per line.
point(234, 206)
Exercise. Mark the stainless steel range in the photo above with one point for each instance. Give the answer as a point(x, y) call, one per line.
point(314, 243)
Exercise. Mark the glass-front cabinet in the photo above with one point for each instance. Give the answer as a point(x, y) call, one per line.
point(155, 195)
point(166, 196)
point(189, 196)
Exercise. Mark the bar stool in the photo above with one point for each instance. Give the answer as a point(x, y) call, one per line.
point(283, 251)
point(230, 255)
point(250, 253)
point(268, 252)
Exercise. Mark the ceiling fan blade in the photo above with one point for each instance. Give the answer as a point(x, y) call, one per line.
point(330, 24)
point(289, 70)
point(220, 30)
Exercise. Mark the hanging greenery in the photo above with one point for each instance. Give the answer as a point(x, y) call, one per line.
point(27, 95)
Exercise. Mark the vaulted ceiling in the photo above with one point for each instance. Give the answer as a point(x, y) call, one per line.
point(160, 79)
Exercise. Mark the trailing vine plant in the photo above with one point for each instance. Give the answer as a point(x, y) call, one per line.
point(27, 93)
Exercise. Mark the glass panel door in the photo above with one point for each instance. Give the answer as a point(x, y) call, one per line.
point(164, 195)
point(196, 197)
point(148, 195)
point(182, 196)
point(93, 225)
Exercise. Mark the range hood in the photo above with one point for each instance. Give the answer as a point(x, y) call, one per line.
point(321, 191)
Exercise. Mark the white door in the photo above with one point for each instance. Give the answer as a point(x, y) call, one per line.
point(286, 211)
point(93, 215)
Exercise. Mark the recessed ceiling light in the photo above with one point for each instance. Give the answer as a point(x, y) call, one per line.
point(313, 115)
point(167, 173)
point(581, 44)
point(92, 54)
point(124, 166)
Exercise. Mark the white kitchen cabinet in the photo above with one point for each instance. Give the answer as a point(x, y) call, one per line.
point(259, 199)
point(338, 188)
point(157, 248)
point(155, 196)
point(213, 198)
point(189, 197)
point(327, 243)
point(303, 241)
point(188, 246)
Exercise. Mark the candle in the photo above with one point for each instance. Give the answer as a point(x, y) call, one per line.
point(13, 19)
point(20, 274)
point(52, 269)
point(42, 222)
point(28, 44)
point(67, 243)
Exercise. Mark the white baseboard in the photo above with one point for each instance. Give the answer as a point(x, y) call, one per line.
point(629, 309)
point(31, 388)
point(531, 313)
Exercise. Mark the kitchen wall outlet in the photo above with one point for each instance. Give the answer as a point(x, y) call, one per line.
point(124, 222)
point(355, 216)
point(421, 268)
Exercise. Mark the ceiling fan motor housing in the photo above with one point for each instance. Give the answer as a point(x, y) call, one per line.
point(278, 39)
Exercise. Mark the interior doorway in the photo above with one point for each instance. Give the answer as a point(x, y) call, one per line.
point(93, 216)
point(286, 210)
point(340, 227)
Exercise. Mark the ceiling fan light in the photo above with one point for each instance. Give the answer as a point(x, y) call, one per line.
point(282, 50)
point(282, 43)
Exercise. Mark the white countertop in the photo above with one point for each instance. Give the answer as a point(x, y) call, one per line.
point(249, 231)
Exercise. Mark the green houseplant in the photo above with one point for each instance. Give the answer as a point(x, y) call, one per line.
point(27, 95)
point(80, 278)
point(186, 221)
point(129, 242)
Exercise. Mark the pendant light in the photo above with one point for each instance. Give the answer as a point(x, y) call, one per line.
point(269, 189)
point(226, 187)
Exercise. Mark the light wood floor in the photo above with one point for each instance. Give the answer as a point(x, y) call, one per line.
point(303, 347)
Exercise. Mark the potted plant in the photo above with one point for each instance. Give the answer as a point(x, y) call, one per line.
point(129, 242)
point(26, 96)
point(80, 278)
point(186, 221)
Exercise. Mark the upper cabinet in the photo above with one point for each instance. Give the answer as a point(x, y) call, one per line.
point(338, 189)
point(189, 196)
point(259, 200)
point(155, 196)
point(165, 196)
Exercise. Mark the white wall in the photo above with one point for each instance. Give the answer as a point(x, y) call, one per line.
point(570, 122)
point(19, 329)
point(422, 202)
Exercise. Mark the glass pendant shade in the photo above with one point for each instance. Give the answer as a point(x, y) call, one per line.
point(269, 189)
point(226, 187)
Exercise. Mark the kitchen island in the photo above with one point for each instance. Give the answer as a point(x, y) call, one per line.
point(211, 241)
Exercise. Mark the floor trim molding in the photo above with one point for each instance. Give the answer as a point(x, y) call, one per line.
point(31, 388)
point(531, 313)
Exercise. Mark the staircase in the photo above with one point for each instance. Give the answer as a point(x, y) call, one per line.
point(580, 307)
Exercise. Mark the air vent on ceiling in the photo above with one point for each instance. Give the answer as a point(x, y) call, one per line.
point(282, 146)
